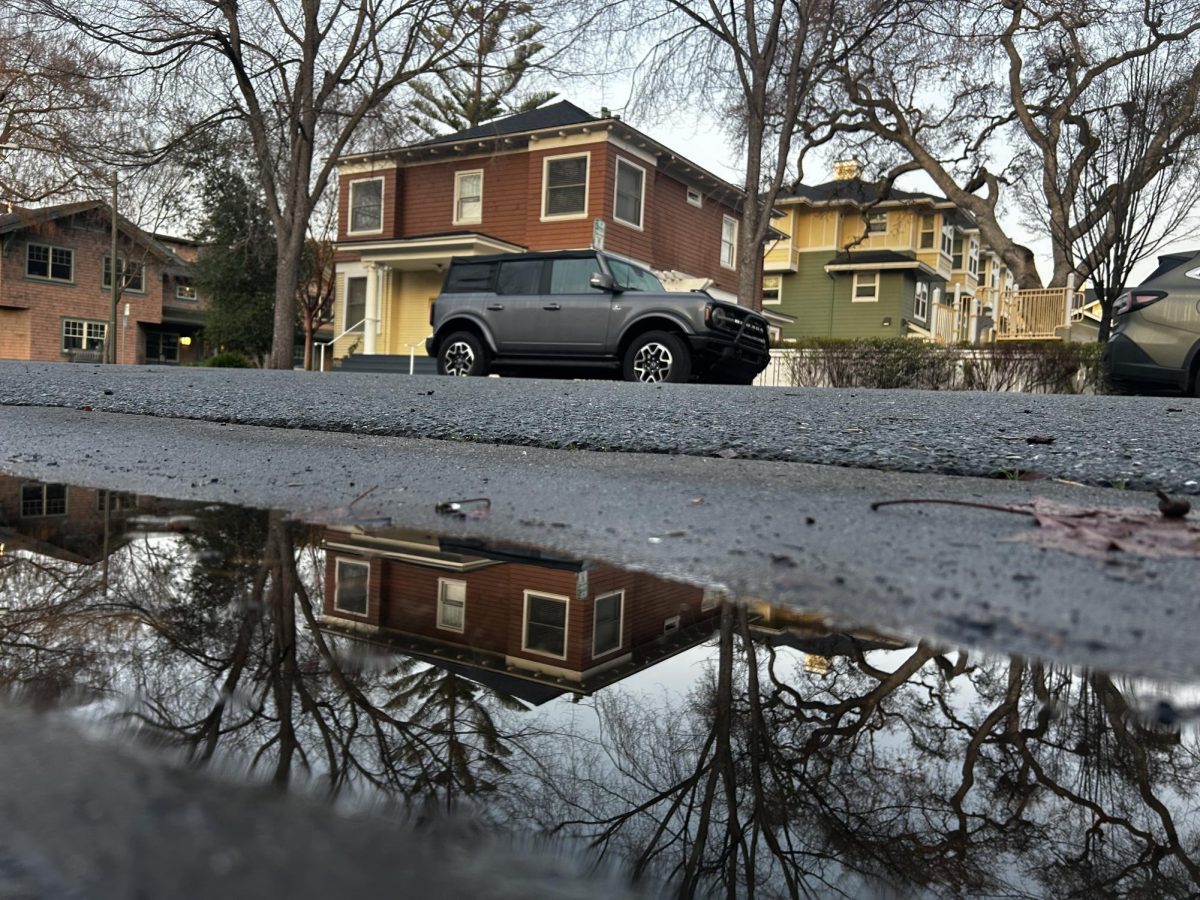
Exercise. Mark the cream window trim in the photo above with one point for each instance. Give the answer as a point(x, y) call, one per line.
point(350, 229)
point(598, 652)
point(566, 627)
point(863, 279)
point(641, 223)
point(458, 217)
point(587, 187)
point(445, 587)
point(729, 242)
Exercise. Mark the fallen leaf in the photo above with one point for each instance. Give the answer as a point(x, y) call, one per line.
point(1099, 531)
point(727, 454)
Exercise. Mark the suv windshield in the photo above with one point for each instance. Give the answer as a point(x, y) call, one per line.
point(633, 278)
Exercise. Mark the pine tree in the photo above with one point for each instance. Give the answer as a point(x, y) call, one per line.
point(483, 80)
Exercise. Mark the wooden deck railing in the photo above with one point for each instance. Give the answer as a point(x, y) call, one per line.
point(1033, 315)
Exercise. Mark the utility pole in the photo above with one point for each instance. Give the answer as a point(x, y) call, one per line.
point(110, 339)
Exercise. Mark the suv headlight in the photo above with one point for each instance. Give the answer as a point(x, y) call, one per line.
point(718, 317)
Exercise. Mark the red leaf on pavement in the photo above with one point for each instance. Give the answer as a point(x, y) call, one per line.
point(1098, 531)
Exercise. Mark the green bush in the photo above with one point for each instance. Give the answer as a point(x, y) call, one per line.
point(228, 359)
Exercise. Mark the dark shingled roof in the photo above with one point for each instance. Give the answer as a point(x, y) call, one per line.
point(555, 115)
point(870, 257)
point(854, 190)
point(22, 218)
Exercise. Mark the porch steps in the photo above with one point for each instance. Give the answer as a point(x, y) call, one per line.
point(396, 364)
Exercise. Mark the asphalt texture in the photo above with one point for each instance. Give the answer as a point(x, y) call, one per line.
point(1139, 443)
point(765, 492)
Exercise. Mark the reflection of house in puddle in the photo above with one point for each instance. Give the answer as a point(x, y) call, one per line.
point(810, 634)
point(531, 623)
point(64, 522)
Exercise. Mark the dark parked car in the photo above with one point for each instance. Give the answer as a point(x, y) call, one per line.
point(1155, 341)
point(584, 310)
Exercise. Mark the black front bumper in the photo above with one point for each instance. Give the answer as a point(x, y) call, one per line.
point(715, 354)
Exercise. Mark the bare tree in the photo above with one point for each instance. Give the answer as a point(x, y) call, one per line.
point(298, 76)
point(51, 94)
point(996, 102)
point(764, 64)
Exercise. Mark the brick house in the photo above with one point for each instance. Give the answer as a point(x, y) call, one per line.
point(539, 622)
point(554, 178)
point(55, 300)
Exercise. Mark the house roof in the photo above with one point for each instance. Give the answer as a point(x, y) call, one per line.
point(559, 119)
point(23, 218)
point(856, 191)
point(556, 115)
point(853, 260)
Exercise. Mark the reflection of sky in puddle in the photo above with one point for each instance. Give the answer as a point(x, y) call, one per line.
point(649, 720)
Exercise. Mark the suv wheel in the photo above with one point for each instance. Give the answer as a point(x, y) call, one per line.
point(657, 356)
point(461, 354)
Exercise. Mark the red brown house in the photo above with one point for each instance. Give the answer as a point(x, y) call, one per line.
point(554, 178)
point(55, 289)
point(540, 621)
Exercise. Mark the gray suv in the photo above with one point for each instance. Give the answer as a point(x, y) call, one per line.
point(587, 311)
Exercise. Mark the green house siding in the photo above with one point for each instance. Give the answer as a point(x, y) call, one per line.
point(822, 306)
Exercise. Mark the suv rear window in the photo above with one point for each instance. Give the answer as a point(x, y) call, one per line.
point(469, 277)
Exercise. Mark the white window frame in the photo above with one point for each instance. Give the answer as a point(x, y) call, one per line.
point(875, 219)
point(337, 584)
point(695, 198)
point(640, 224)
point(729, 247)
point(184, 289)
point(931, 218)
point(946, 246)
point(350, 229)
point(50, 250)
point(620, 594)
point(459, 218)
point(359, 325)
point(566, 601)
point(44, 509)
point(973, 257)
point(587, 187)
point(86, 334)
point(921, 301)
point(444, 583)
point(123, 264)
point(778, 279)
point(860, 278)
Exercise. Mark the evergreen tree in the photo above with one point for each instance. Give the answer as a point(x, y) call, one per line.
point(482, 81)
point(236, 269)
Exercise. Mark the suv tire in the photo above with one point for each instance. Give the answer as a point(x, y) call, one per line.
point(657, 356)
point(461, 353)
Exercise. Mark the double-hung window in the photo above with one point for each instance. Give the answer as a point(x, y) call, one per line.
point(866, 287)
point(947, 240)
point(350, 589)
point(772, 291)
point(877, 223)
point(564, 186)
point(82, 334)
point(956, 257)
point(629, 204)
point(973, 257)
point(729, 233)
point(921, 301)
point(131, 275)
point(928, 233)
point(366, 206)
point(468, 197)
point(51, 263)
point(606, 625)
point(545, 624)
point(356, 303)
point(452, 604)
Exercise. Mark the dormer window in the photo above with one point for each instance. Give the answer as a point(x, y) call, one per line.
point(366, 206)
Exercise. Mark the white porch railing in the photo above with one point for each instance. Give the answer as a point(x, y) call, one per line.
point(357, 326)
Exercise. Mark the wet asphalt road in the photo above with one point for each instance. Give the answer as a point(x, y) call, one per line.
point(737, 504)
point(1131, 442)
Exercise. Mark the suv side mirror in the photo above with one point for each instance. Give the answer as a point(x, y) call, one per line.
point(603, 282)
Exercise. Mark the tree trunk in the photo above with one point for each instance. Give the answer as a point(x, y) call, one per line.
point(289, 244)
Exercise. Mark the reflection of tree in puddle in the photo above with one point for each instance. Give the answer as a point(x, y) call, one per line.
point(998, 778)
point(900, 766)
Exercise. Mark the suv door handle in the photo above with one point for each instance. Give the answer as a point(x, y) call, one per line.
point(552, 306)
point(495, 306)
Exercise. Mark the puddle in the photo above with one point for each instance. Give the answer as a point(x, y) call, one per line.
point(681, 736)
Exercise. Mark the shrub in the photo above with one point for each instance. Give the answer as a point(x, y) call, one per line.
point(228, 359)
